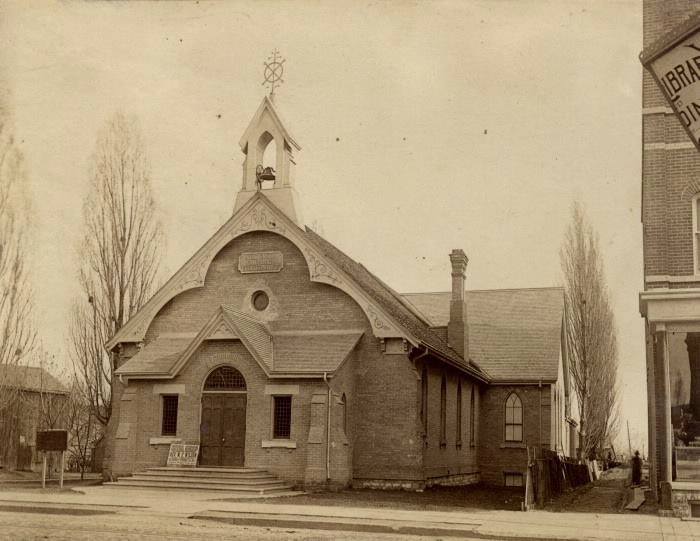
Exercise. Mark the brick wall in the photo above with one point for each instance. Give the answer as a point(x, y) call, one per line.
point(669, 175)
point(443, 460)
point(498, 456)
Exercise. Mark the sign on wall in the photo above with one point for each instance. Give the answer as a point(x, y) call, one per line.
point(674, 62)
point(52, 440)
point(183, 455)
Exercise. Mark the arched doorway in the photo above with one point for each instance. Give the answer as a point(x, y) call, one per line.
point(222, 432)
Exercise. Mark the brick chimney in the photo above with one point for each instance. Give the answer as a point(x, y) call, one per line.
point(457, 330)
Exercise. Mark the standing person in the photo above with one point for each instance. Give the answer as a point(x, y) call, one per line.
point(636, 469)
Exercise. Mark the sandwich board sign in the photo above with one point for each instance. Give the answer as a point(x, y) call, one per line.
point(182, 455)
point(674, 63)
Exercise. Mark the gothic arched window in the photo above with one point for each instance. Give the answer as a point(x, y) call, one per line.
point(514, 418)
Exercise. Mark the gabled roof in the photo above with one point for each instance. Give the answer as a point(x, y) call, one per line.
point(514, 334)
point(283, 353)
point(267, 105)
point(30, 378)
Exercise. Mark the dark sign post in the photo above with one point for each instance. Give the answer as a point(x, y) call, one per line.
point(674, 62)
point(52, 440)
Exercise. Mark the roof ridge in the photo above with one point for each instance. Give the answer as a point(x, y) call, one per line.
point(535, 288)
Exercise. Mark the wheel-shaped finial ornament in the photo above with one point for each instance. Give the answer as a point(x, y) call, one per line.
point(274, 69)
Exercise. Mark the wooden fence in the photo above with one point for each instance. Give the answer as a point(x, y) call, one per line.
point(549, 475)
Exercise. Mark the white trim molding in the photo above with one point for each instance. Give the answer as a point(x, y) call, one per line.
point(659, 110)
point(283, 444)
point(671, 309)
point(169, 388)
point(669, 146)
point(281, 390)
point(656, 278)
point(164, 440)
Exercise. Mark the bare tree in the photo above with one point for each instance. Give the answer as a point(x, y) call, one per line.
point(84, 431)
point(16, 330)
point(591, 335)
point(120, 255)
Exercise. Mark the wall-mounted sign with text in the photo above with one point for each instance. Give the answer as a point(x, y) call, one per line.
point(674, 62)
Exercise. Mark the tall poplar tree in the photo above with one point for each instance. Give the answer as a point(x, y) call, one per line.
point(591, 335)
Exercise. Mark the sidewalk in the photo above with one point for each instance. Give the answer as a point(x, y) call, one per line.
point(482, 524)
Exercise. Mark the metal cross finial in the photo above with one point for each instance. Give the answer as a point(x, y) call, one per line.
point(274, 69)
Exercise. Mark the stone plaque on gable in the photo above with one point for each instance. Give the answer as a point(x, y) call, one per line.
point(253, 262)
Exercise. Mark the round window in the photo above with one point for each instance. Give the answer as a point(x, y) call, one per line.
point(260, 300)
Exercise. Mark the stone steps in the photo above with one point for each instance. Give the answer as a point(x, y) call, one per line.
point(236, 481)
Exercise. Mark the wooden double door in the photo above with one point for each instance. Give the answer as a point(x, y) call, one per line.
point(222, 432)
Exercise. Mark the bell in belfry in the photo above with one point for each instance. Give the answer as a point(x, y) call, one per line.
point(262, 174)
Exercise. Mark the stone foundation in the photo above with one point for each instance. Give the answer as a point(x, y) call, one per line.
point(684, 496)
point(462, 479)
point(389, 484)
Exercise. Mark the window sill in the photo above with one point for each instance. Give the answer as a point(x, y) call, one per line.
point(164, 440)
point(513, 445)
point(285, 444)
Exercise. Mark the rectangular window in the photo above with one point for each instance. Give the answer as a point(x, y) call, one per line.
point(282, 417)
point(513, 479)
point(169, 426)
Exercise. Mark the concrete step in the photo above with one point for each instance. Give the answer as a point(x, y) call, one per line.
point(688, 453)
point(269, 481)
point(208, 469)
point(207, 473)
point(127, 482)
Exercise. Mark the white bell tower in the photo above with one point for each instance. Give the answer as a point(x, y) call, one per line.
point(265, 129)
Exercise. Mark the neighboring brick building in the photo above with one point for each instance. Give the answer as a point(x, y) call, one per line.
point(670, 302)
point(272, 349)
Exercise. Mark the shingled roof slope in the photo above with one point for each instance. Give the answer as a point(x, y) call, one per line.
point(391, 301)
point(157, 357)
point(31, 378)
point(514, 334)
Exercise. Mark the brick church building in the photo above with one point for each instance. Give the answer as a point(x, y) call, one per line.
point(272, 349)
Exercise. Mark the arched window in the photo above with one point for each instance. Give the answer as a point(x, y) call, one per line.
point(424, 399)
point(225, 378)
point(443, 411)
point(344, 413)
point(472, 417)
point(514, 418)
point(459, 414)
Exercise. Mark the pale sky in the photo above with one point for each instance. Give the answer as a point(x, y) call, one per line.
point(424, 126)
